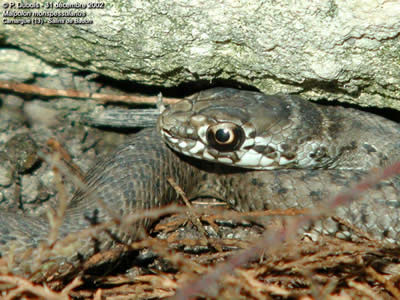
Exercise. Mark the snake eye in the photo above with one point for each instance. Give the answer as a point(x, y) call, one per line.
point(225, 137)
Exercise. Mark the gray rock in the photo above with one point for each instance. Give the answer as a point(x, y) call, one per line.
point(18, 66)
point(41, 114)
point(7, 170)
point(12, 102)
point(9, 198)
point(11, 117)
point(30, 188)
point(22, 151)
point(346, 50)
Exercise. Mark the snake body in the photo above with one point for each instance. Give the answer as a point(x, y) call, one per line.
point(302, 154)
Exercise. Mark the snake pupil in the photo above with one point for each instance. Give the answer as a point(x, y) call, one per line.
point(222, 135)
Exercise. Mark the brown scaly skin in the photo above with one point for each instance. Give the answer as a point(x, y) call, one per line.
point(134, 177)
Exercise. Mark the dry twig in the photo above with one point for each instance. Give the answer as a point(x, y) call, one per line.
point(29, 89)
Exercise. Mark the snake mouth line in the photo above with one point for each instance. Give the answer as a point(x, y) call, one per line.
point(168, 135)
point(185, 145)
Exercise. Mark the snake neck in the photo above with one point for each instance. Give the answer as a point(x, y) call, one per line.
point(362, 141)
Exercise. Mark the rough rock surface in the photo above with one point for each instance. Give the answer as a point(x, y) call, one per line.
point(27, 125)
point(346, 50)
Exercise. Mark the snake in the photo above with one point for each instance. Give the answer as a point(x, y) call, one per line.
point(253, 151)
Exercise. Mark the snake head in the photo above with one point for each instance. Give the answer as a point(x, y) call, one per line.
point(241, 128)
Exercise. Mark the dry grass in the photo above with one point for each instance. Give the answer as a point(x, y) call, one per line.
point(327, 268)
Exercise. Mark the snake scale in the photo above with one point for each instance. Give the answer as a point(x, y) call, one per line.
point(252, 150)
